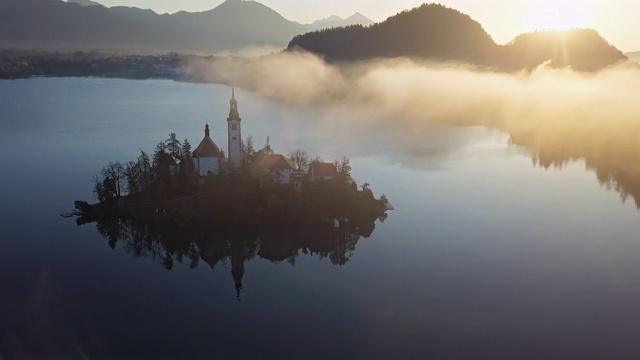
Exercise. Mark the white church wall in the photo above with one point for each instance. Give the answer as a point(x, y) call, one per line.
point(205, 165)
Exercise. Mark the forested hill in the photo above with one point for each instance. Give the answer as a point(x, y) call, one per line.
point(430, 31)
point(435, 32)
point(582, 49)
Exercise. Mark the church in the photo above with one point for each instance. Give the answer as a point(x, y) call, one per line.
point(208, 158)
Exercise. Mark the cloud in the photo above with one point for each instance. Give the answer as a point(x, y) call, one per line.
point(405, 104)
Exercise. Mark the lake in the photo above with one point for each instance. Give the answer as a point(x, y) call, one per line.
point(486, 255)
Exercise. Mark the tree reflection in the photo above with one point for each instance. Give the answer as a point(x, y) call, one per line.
point(615, 165)
point(169, 246)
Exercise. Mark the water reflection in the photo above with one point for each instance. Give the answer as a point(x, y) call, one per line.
point(615, 165)
point(167, 245)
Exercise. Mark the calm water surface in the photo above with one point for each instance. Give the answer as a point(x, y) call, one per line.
point(486, 255)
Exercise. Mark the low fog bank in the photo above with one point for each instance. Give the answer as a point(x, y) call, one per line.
point(560, 114)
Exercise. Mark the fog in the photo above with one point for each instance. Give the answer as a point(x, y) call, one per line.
point(561, 115)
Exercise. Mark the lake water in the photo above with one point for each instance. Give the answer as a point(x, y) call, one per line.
point(486, 256)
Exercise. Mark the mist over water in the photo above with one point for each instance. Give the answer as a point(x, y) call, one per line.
point(560, 114)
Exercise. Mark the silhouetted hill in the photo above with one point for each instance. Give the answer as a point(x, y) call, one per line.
point(336, 21)
point(435, 32)
point(582, 49)
point(57, 24)
point(429, 31)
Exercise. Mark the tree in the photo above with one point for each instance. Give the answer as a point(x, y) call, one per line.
point(300, 157)
point(173, 146)
point(316, 160)
point(109, 183)
point(267, 150)
point(344, 171)
point(115, 173)
point(133, 177)
point(147, 173)
point(158, 154)
point(187, 160)
point(248, 152)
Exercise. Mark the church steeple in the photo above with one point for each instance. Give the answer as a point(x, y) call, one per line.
point(206, 130)
point(233, 111)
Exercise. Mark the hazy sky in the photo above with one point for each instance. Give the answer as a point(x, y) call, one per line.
point(617, 20)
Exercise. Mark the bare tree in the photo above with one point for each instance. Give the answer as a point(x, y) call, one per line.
point(300, 157)
point(115, 172)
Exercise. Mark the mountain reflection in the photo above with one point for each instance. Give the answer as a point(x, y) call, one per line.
point(168, 246)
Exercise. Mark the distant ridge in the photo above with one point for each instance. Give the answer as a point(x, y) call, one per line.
point(59, 25)
point(435, 32)
point(336, 21)
point(85, 2)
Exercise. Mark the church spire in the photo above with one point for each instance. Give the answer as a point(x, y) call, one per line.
point(233, 111)
point(206, 130)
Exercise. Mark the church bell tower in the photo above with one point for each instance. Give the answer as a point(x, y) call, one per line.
point(235, 133)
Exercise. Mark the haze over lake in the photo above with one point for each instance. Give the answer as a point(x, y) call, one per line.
point(486, 255)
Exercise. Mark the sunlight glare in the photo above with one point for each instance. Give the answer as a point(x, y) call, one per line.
point(560, 14)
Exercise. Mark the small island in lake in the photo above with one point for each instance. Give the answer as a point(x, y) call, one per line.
point(204, 188)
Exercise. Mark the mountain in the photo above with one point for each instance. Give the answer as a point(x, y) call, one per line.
point(55, 24)
point(336, 21)
point(84, 2)
point(581, 49)
point(429, 31)
point(437, 33)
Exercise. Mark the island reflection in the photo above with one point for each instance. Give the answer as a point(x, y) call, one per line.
point(170, 245)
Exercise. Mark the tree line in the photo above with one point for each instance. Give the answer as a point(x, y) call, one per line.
point(118, 179)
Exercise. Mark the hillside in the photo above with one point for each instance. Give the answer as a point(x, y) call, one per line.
point(75, 25)
point(55, 24)
point(582, 49)
point(430, 31)
point(437, 33)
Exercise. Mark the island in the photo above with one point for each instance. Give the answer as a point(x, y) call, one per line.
point(205, 188)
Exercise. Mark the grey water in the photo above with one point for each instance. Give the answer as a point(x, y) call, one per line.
point(486, 256)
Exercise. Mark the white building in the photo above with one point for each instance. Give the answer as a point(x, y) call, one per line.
point(235, 133)
point(207, 158)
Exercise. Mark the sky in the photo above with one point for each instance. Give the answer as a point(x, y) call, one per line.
point(617, 20)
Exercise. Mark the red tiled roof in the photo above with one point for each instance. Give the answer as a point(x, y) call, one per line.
point(207, 148)
point(323, 169)
point(276, 162)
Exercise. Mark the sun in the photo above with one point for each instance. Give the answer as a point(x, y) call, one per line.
point(560, 14)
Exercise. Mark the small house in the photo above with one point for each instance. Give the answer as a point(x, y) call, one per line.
point(280, 167)
point(323, 171)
